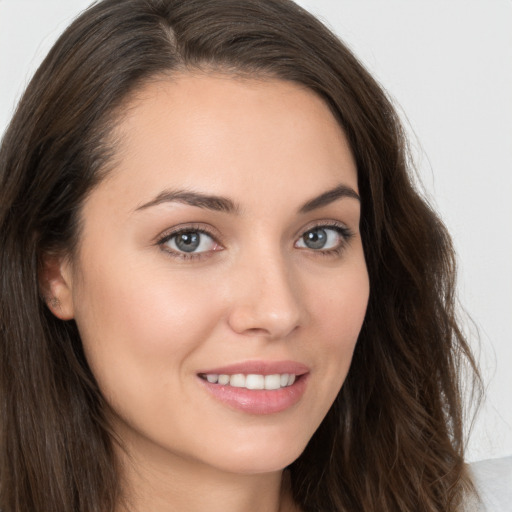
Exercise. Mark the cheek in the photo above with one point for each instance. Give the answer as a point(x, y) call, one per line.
point(137, 326)
point(341, 305)
point(338, 313)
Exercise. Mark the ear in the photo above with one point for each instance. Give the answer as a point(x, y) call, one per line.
point(56, 285)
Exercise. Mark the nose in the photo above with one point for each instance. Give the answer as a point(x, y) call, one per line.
point(266, 299)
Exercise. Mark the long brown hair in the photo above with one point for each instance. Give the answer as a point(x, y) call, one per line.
point(393, 440)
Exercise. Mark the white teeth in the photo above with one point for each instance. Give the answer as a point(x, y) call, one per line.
point(272, 381)
point(237, 380)
point(252, 381)
point(223, 379)
point(255, 382)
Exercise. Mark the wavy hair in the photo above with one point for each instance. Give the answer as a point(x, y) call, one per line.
point(393, 440)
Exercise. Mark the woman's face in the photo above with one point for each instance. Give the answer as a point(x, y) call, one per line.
point(225, 243)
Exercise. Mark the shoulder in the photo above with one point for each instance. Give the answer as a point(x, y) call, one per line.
point(493, 480)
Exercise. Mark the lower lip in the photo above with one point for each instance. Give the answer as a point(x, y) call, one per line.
point(260, 401)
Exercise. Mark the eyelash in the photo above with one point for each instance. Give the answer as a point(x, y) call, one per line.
point(345, 233)
point(183, 255)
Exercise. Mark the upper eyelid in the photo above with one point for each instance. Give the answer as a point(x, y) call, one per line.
point(165, 237)
point(344, 231)
point(182, 228)
point(323, 224)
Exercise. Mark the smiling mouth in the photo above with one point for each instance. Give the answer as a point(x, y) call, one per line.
point(257, 387)
point(251, 381)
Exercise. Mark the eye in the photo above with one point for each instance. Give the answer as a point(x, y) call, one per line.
point(189, 241)
point(324, 238)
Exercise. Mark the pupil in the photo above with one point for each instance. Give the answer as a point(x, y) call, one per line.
point(315, 239)
point(187, 242)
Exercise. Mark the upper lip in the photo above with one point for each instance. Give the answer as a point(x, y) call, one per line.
point(259, 368)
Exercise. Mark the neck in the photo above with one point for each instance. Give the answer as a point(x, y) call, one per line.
point(175, 484)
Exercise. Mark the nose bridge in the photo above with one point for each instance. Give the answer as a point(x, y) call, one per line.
point(267, 299)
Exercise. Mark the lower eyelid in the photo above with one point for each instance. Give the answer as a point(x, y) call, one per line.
point(342, 231)
point(202, 235)
point(166, 242)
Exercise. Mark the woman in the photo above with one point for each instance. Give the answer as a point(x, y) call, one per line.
point(219, 287)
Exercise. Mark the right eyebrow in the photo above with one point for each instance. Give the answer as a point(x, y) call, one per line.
point(209, 202)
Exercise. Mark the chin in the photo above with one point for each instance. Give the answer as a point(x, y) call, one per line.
point(258, 461)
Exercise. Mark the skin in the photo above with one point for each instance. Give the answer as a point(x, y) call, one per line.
point(150, 320)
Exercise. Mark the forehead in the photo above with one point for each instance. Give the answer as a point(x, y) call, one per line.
point(229, 134)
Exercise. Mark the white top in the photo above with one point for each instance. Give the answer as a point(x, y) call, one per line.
point(493, 479)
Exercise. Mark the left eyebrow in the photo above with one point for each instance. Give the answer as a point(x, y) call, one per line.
point(328, 197)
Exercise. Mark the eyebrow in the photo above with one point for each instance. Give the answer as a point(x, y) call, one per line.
point(209, 202)
point(329, 197)
point(226, 205)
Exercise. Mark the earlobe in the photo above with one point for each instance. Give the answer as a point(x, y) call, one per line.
point(56, 285)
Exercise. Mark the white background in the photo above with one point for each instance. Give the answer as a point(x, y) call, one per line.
point(448, 66)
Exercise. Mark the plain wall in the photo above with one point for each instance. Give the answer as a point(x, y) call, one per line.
point(448, 66)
